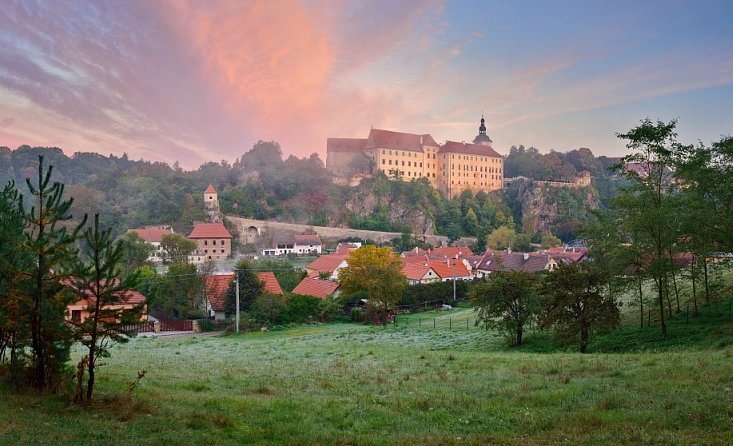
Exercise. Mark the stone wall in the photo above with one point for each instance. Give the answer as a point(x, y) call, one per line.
point(264, 228)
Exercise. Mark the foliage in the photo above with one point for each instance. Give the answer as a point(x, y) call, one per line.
point(178, 294)
point(501, 238)
point(136, 252)
point(433, 293)
point(287, 275)
point(376, 272)
point(45, 293)
point(574, 303)
point(522, 243)
point(250, 288)
point(549, 241)
point(96, 280)
point(176, 248)
point(508, 301)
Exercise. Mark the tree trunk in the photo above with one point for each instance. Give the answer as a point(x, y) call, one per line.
point(676, 291)
point(660, 301)
point(518, 340)
point(584, 336)
point(641, 303)
point(705, 270)
point(694, 290)
point(666, 293)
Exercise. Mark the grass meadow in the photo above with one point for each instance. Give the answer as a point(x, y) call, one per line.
point(409, 384)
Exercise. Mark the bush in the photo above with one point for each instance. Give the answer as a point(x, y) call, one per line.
point(431, 292)
point(357, 315)
point(205, 325)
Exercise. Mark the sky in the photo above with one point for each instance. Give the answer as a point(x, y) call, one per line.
point(198, 81)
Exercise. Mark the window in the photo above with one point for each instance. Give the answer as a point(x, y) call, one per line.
point(384, 161)
point(403, 162)
point(76, 315)
point(222, 251)
point(409, 164)
point(390, 162)
point(206, 242)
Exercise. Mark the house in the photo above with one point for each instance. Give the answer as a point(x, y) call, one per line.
point(270, 283)
point(415, 252)
point(329, 265)
point(153, 235)
point(216, 286)
point(313, 286)
point(418, 273)
point(211, 199)
point(307, 244)
point(450, 269)
point(213, 242)
point(519, 261)
point(344, 249)
point(302, 244)
point(78, 311)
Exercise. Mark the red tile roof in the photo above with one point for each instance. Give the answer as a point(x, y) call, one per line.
point(151, 235)
point(469, 149)
point(216, 287)
point(386, 139)
point(414, 252)
point(209, 230)
point(345, 144)
point(572, 254)
point(446, 270)
point(326, 264)
point(210, 190)
point(415, 259)
point(415, 271)
point(515, 261)
point(450, 252)
point(312, 286)
point(271, 285)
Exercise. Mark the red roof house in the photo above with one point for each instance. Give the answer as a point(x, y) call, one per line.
point(313, 286)
point(271, 285)
point(328, 264)
point(209, 230)
point(151, 235)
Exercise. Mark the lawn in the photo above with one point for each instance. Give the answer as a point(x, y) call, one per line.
point(354, 384)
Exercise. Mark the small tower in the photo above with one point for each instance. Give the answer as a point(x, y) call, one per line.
point(482, 138)
point(211, 199)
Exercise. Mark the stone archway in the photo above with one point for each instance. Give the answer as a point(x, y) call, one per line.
point(251, 235)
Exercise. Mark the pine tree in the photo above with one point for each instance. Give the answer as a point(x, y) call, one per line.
point(97, 280)
point(52, 246)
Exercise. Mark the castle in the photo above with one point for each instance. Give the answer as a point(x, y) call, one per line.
point(451, 168)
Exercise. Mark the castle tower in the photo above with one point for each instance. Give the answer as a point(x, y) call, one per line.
point(211, 199)
point(482, 138)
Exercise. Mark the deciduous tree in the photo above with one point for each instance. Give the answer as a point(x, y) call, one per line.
point(574, 303)
point(376, 273)
point(507, 301)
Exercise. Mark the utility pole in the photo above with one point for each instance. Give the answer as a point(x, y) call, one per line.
point(454, 278)
point(236, 299)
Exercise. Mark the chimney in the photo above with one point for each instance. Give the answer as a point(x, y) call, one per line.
point(526, 256)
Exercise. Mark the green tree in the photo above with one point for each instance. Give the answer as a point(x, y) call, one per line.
point(179, 293)
point(287, 276)
point(136, 252)
point(575, 303)
point(501, 238)
point(46, 294)
point(250, 287)
point(97, 279)
point(177, 248)
point(646, 208)
point(522, 243)
point(549, 241)
point(508, 301)
point(376, 273)
point(13, 262)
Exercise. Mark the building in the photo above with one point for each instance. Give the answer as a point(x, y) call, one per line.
point(213, 242)
point(211, 199)
point(313, 286)
point(303, 244)
point(217, 285)
point(418, 273)
point(448, 270)
point(78, 311)
point(328, 265)
point(346, 156)
point(450, 168)
point(153, 235)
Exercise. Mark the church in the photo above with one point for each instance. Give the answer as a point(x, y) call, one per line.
point(451, 168)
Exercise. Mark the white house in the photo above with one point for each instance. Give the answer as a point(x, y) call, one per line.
point(153, 235)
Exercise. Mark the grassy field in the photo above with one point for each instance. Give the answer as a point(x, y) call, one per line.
point(353, 384)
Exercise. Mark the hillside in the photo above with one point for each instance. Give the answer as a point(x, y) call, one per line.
point(261, 184)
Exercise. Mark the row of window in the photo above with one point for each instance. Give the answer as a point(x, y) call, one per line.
point(213, 242)
point(476, 158)
point(213, 251)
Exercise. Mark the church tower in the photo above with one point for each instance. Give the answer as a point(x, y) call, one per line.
point(211, 199)
point(482, 138)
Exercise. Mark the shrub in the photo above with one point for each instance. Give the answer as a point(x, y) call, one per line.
point(205, 325)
